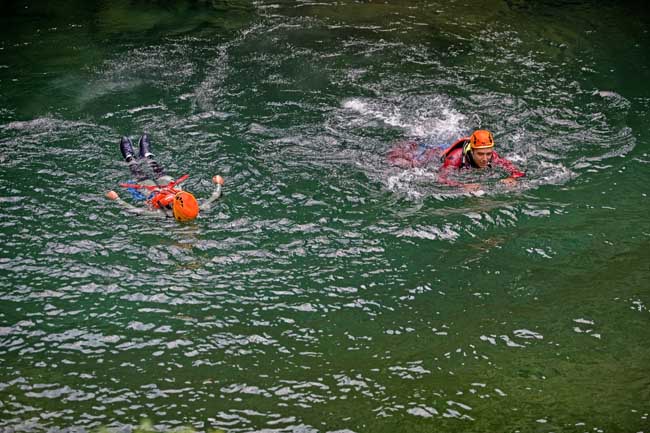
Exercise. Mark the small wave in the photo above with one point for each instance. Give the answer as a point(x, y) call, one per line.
point(46, 124)
point(419, 116)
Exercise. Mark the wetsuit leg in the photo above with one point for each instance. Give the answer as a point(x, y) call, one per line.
point(145, 153)
point(126, 147)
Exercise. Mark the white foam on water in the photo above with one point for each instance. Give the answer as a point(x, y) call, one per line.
point(356, 105)
point(42, 124)
point(419, 117)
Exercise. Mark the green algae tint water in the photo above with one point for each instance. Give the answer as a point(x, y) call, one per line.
point(327, 291)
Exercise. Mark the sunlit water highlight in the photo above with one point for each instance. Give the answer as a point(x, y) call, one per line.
point(327, 291)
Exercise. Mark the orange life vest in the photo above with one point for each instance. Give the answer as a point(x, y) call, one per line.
point(163, 198)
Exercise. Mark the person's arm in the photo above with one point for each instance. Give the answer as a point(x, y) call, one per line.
point(508, 166)
point(443, 176)
point(453, 162)
point(112, 195)
point(216, 194)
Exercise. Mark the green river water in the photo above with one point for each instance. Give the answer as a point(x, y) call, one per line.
point(327, 291)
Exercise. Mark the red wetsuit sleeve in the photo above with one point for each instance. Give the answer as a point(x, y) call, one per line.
point(508, 166)
point(452, 162)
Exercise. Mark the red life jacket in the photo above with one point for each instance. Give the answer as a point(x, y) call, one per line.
point(163, 198)
point(457, 144)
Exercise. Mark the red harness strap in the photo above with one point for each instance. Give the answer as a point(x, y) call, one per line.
point(161, 196)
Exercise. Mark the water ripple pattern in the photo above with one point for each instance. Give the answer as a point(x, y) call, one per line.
point(327, 291)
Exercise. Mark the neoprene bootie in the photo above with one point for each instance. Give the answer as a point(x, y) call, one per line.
point(145, 147)
point(126, 147)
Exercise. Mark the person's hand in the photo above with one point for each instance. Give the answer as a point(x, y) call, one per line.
point(472, 186)
point(218, 180)
point(509, 181)
point(112, 195)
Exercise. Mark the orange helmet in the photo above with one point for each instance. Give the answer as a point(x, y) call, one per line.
point(481, 139)
point(185, 207)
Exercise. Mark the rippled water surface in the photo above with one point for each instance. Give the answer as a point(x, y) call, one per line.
point(328, 291)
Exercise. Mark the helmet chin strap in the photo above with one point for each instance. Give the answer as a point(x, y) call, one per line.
point(467, 148)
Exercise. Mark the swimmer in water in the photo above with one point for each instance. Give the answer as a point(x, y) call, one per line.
point(164, 196)
point(475, 152)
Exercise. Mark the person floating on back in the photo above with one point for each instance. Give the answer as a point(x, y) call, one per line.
point(475, 152)
point(164, 196)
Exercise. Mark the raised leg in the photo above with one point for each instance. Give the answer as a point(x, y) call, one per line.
point(126, 147)
point(145, 153)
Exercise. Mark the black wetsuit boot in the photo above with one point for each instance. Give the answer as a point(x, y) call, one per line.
point(145, 153)
point(126, 147)
point(145, 146)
